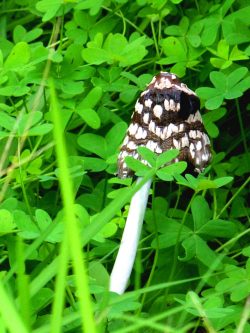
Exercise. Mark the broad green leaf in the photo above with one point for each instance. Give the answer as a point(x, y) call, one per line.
point(204, 184)
point(27, 229)
point(21, 34)
point(18, 57)
point(89, 116)
point(174, 49)
point(93, 6)
point(196, 246)
point(222, 181)
point(166, 157)
point(44, 220)
point(15, 91)
point(40, 129)
point(49, 8)
point(1, 59)
point(200, 211)
point(212, 130)
point(7, 121)
point(108, 230)
point(176, 1)
point(173, 30)
point(112, 159)
point(237, 54)
point(123, 181)
point(229, 87)
point(94, 164)
point(29, 120)
point(189, 248)
point(94, 144)
point(220, 63)
point(181, 180)
point(43, 297)
point(34, 167)
point(212, 306)
point(9, 204)
point(226, 6)
point(218, 228)
point(169, 171)
point(95, 56)
point(237, 283)
point(99, 273)
point(7, 224)
point(132, 78)
point(33, 34)
point(219, 80)
point(176, 54)
point(204, 253)
point(194, 40)
point(207, 92)
point(236, 76)
point(179, 68)
point(210, 30)
point(137, 166)
point(130, 304)
point(134, 52)
point(147, 155)
point(115, 44)
point(238, 89)
point(119, 192)
point(201, 183)
point(173, 232)
point(91, 99)
point(214, 103)
point(223, 49)
point(193, 181)
point(82, 215)
point(4, 134)
point(115, 136)
point(210, 117)
point(116, 49)
point(246, 251)
point(71, 87)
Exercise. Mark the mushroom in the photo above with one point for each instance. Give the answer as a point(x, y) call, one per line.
point(166, 116)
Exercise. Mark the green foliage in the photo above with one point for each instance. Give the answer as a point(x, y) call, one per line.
point(70, 73)
point(115, 49)
point(228, 86)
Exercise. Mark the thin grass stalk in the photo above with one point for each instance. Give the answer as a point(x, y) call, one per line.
point(58, 303)
point(71, 228)
point(9, 313)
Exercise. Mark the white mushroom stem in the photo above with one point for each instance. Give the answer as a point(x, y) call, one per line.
point(126, 255)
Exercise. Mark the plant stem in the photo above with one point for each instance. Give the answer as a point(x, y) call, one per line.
point(241, 126)
point(176, 249)
point(244, 316)
point(130, 238)
point(233, 197)
point(155, 38)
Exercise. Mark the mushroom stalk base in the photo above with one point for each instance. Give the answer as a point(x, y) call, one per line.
point(126, 255)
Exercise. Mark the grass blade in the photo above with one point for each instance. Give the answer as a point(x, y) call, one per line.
point(76, 252)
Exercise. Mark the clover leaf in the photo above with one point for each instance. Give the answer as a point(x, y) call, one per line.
point(104, 147)
point(228, 86)
point(225, 58)
point(209, 119)
point(237, 282)
point(115, 49)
